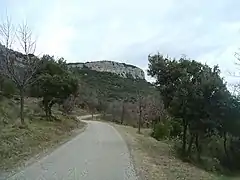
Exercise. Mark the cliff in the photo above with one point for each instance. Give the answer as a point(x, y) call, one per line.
point(121, 69)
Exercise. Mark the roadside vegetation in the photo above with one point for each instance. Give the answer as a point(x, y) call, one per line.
point(156, 160)
point(202, 114)
point(191, 110)
point(19, 144)
point(49, 117)
point(37, 100)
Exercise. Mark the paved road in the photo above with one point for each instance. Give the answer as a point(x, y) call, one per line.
point(99, 153)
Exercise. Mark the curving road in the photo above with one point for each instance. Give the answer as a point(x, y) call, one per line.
point(99, 153)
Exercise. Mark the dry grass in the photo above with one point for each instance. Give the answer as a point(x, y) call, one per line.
point(154, 159)
point(18, 145)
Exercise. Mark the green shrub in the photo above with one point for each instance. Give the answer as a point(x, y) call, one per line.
point(176, 128)
point(8, 88)
point(161, 130)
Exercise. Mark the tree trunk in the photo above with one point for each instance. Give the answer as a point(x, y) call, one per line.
point(197, 146)
point(46, 108)
point(153, 123)
point(190, 145)
point(47, 103)
point(50, 111)
point(50, 105)
point(92, 115)
point(22, 105)
point(225, 145)
point(104, 114)
point(113, 116)
point(184, 138)
point(122, 115)
point(1, 83)
point(140, 119)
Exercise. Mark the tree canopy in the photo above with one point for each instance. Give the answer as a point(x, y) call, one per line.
point(196, 94)
point(54, 83)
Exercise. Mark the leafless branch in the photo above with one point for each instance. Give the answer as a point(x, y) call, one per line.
point(7, 32)
point(19, 69)
point(24, 35)
point(237, 56)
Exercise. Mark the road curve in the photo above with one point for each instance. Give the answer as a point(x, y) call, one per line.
point(99, 153)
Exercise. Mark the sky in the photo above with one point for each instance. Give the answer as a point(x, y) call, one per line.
point(128, 30)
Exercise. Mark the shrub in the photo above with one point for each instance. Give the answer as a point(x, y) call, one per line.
point(176, 128)
point(8, 88)
point(161, 130)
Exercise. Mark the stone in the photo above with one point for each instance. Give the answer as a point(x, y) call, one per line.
point(121, 69)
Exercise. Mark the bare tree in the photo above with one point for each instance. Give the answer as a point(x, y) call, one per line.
point(149, 109)
point(20, 68)
point(140, 102)
point(69, 103)
point(92, 102)
point(124, 106)
point(123, 111)
point(156, 111)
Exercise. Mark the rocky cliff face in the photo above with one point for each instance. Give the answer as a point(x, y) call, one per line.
point(121, 69)
point(19, 57)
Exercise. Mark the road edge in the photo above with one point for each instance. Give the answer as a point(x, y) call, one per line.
point(48, 151)
point(130, 150)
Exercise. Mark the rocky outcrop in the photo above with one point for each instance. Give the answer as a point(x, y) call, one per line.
point(18, 57)
point(121, 69)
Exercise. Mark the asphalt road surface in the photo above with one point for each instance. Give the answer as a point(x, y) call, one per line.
point(99, 153)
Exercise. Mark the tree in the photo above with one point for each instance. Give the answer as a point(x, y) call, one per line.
point(55, 89)
point(20, 68)
point(92, 102)
point(190, 91)
point(141, 106)
point(153, 111)
point(114, 109)
point(54, 84)
point(123, 111)
point(124, 105)
point(69, 103)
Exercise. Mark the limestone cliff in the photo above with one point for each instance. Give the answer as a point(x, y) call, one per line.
point(121, 69)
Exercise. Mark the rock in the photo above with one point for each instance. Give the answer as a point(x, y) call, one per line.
point(121, 69)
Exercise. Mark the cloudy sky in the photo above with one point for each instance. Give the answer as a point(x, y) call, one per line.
point(128, 30)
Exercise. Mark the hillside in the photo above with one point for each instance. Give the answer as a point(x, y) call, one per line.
point(121, 69)
point(19, 144)
point(110, 86)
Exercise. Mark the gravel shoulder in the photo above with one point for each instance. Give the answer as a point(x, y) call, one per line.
point(153, 159)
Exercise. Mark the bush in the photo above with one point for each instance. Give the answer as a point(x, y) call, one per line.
point(161, 130)
point(176, 128)
point(8, 88)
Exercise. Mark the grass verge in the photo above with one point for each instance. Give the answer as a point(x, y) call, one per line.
point(22, 146)
point(154, 160)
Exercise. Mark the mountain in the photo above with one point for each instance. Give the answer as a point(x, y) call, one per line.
point(109, 87)
point(121, 69)
point(108, 80)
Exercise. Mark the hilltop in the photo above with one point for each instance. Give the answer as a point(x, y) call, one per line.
point(121, 69)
